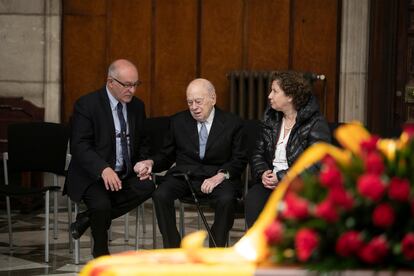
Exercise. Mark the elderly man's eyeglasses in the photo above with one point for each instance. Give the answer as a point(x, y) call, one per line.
point(128, 85)
point(198, 101)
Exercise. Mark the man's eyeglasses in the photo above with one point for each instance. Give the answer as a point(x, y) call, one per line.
point(128, 85)
point(198, 101)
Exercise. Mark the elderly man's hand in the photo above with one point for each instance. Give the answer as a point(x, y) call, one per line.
point(111, 179)
point(143, 169)
point(210, 183)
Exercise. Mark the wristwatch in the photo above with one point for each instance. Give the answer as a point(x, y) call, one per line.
point(225, 172)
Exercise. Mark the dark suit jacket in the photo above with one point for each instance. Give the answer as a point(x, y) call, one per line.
point(225, 147)
point(92, 142)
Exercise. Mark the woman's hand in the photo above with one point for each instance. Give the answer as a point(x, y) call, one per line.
point(269, 180)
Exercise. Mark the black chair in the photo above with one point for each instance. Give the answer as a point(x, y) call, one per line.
point(34, 147)
point(332, 127)
point(155, 130)
point(251, 131)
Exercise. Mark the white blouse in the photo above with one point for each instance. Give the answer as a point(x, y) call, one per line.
point(280, 161)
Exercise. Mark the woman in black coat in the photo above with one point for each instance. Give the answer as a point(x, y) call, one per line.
point(292, 124)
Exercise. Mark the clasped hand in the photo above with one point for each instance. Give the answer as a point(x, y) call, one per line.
point(143, 169)
point(269, 179)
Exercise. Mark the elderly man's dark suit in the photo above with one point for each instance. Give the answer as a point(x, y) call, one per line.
point(93, 149)
point(225, 150)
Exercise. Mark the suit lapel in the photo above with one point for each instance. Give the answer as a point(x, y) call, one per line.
point(191, 129)
point(216, 129)
point(108, 114)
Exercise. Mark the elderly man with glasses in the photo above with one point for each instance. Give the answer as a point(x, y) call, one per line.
point(106, 141)
point(206, 144)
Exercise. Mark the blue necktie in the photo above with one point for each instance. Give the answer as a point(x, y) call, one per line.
point(124, 141)
point(203, 135)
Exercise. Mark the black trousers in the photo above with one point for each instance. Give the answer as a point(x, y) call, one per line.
point(104, 205)
point(222, 200)
point(255, 201)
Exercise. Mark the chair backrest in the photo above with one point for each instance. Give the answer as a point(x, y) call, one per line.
point(332, 127)
point(156, 128)
point(251, 131)
point(37, 146)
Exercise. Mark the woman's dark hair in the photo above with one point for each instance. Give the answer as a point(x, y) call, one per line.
point(294, 85)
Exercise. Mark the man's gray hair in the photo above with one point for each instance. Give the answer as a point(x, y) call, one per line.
point(112, 70)
point(210, 87)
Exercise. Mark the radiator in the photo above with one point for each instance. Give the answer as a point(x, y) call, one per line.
point(248, 93)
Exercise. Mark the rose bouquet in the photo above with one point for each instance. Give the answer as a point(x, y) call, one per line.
point(356, 211)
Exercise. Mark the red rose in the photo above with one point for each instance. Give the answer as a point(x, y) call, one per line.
point(375, 251)
point(399, 189)
point(374, 163)
point(326, 210)
point(330, 176)
point(370, 144)
point(407, 245)
point(295, 207)
point(348, 243)
point(409, 129)
point(274, 232)
point(306, 241)
point(329, 161)
point(383, 216)
point(341, 198)
point(371, 186)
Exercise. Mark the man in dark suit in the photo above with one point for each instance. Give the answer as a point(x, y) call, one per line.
point(207, 143)
point(106, 141)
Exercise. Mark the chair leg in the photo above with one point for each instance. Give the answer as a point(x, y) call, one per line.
point(137, 227)
point(47, 227)
point(142, 209)
point(77, 242)
point(9, 223)
point(110, 233)
point(126, 226)
point(182, 230)
point(154, 227)
point(69, 223)
point(55, 209)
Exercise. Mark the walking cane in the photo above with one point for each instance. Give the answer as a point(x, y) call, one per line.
point(200, 212)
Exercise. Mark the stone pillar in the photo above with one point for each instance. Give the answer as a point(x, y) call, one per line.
point(354, 60)
point(30, 53)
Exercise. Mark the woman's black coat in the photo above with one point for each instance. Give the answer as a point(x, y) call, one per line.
point(310, 127)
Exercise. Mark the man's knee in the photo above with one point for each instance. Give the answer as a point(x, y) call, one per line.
point(161, 195)
point(147, 186)
point(224, 200)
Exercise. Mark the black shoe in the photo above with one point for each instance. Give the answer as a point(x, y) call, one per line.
point(80, 225)
point(103, 253)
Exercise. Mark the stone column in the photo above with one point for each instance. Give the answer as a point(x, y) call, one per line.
point(30, 53)
point(354, 60)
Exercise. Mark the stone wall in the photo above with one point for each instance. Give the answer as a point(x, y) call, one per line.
point(354, 60)
point(30, 53)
